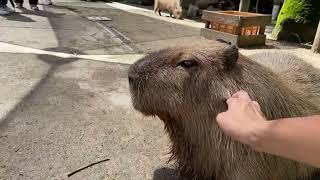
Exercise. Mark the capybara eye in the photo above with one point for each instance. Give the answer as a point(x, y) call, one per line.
point(187, 63)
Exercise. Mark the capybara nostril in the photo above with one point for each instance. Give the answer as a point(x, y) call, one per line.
point(131, 79)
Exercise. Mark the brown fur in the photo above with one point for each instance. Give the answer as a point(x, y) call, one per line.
point(172, 6)
point(187, 100)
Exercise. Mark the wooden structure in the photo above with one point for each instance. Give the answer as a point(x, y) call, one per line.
point(316, 42)
point(239, 28)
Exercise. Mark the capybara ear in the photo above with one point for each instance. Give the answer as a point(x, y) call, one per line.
point(230, 56)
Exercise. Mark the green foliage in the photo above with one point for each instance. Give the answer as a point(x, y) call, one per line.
point(301, 11)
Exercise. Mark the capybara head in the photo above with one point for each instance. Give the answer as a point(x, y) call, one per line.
point(176, 79)
point(177, 12)
point(186, 87)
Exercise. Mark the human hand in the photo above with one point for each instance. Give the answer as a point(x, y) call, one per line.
point(243, 121)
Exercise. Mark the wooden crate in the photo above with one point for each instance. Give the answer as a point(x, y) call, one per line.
point(239, 28)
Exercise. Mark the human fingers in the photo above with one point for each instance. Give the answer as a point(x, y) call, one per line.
point(220, 116)
point(243, 95)
point(257, 105)
point(231, 102)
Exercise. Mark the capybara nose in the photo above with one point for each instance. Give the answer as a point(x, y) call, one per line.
point(132, 78)
point(136, 71)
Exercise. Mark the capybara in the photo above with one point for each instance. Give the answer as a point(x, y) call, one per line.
point(172, 6)
point(186, 87)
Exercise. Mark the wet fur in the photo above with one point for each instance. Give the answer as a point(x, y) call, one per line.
point(188, 100)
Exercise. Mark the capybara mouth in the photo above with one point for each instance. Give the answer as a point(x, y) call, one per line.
point(136, 91)
point(138, 105)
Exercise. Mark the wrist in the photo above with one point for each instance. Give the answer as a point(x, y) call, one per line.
point(258, 137)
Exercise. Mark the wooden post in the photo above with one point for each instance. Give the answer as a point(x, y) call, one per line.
point(316, 42)
point(262, 29)
point(244, 5)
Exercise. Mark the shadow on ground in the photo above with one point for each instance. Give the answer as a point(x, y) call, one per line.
point(166, 174)
point(20, 17)
point(54, 62)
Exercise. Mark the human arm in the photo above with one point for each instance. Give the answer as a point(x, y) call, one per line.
point(294, 138)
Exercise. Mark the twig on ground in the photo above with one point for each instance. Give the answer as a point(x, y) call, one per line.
point(111, 177)
point(74, 172)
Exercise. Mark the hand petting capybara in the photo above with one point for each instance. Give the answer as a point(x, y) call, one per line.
point(186, 87)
